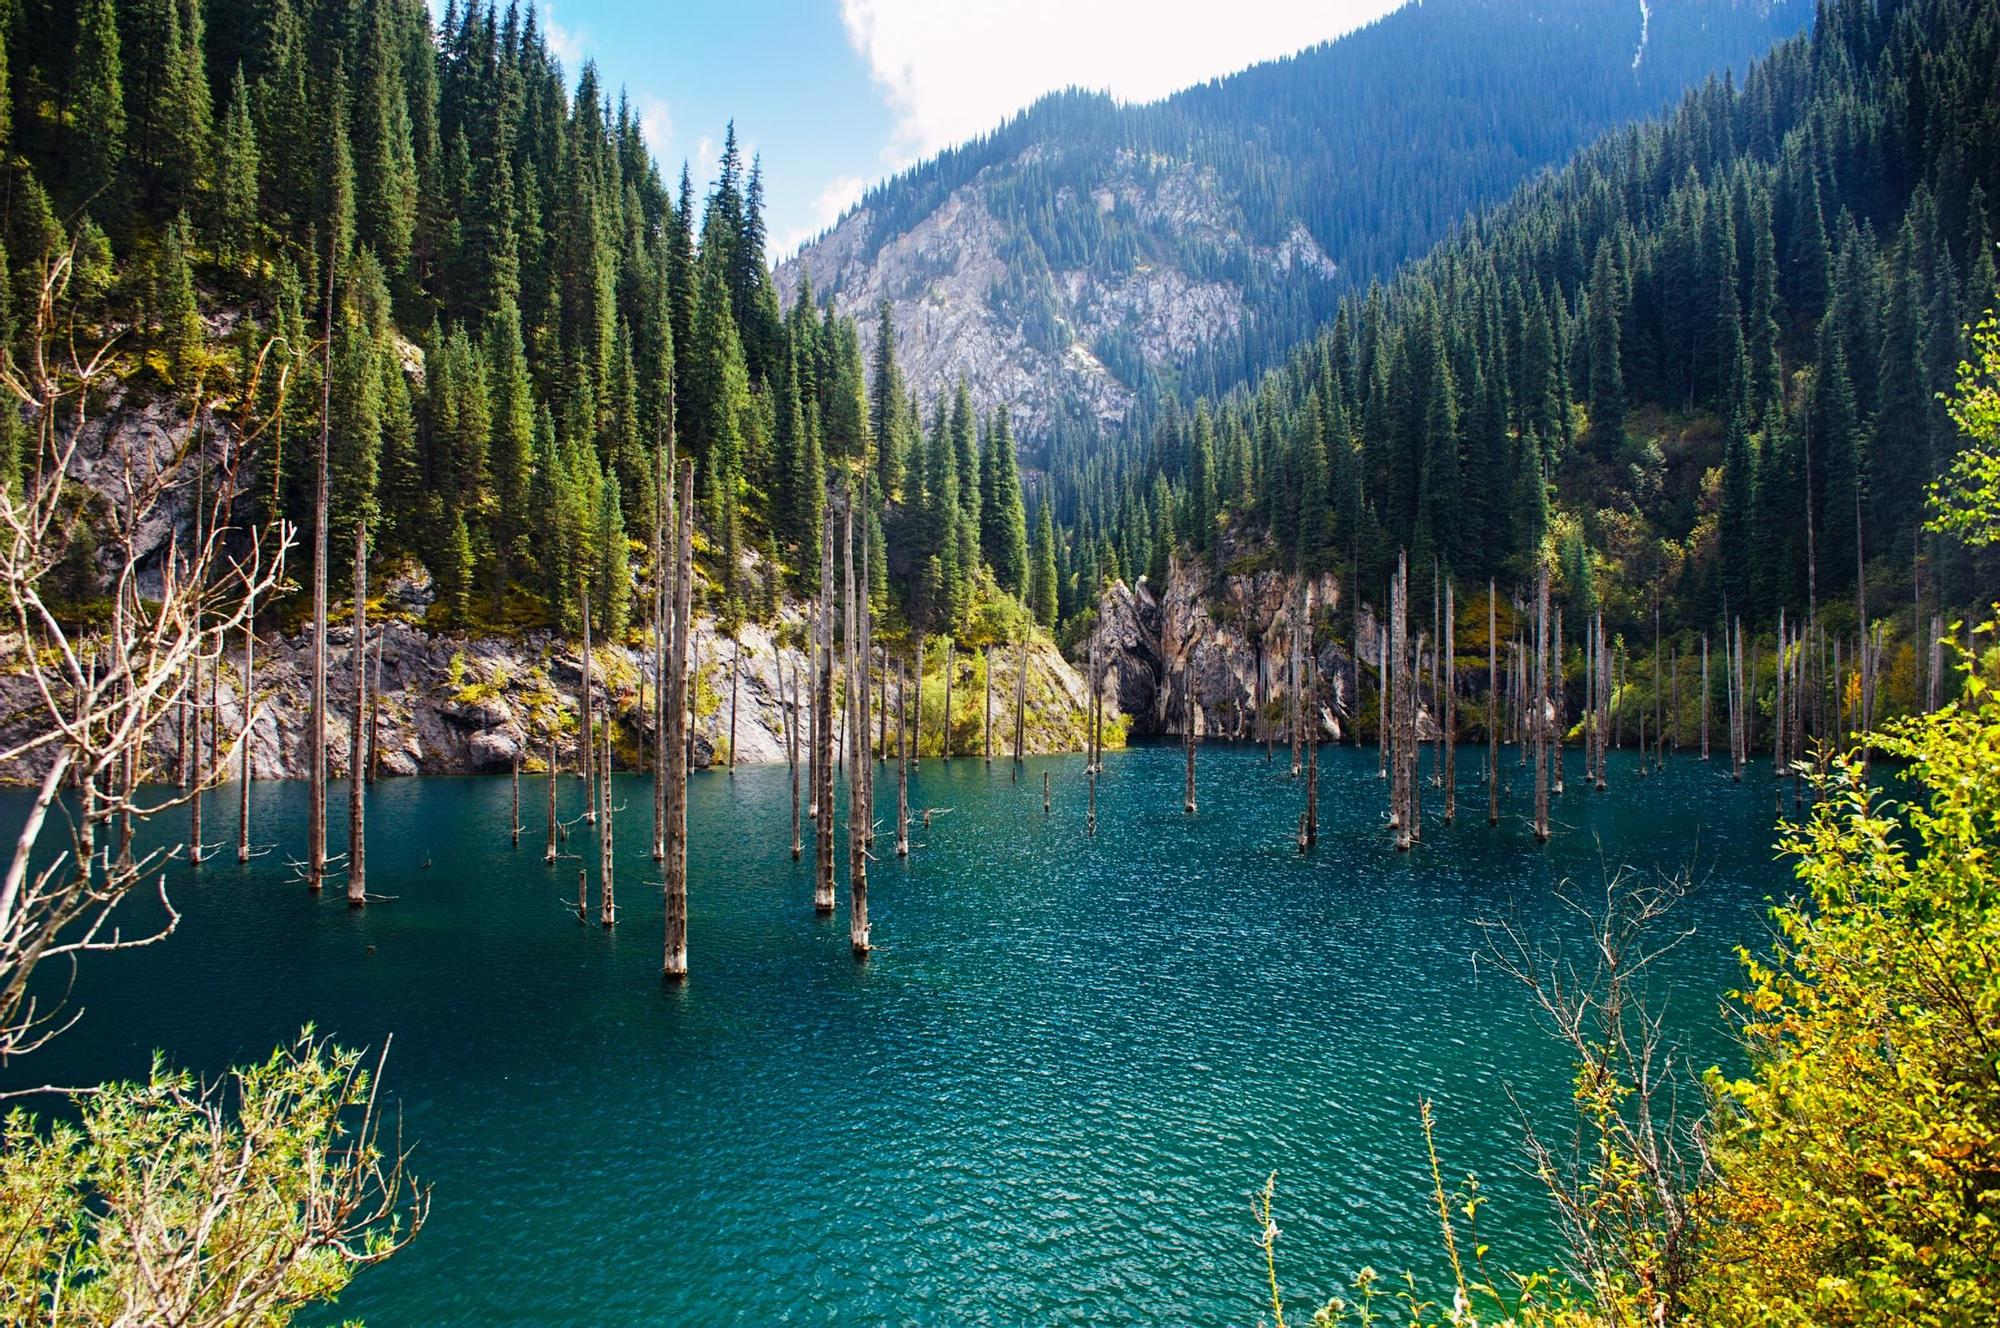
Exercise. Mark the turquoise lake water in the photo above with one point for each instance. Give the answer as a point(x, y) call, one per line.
point(1046, 1099)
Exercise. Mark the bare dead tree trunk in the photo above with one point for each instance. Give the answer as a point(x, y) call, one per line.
point(375, 707)
point(949, 645)
point(1750, 701)
point(607, 897)
point(917, 714)
point(1449, 660)
point(357, 837)
point(1020, 706)
point(316, 721)
point(792, 747)
point(986, 725)
point(1402, 768)
point(1778, 705)
point(549, 853)
point(1659, 690)
point(1737, 725)
point(1045, 793)
point(1492, 703)
point(815, 625)
point(199, 767)
point(823, 897)
point(903, 762)
point(662, 605)
point(1293, 667)
point(1603, 703)
point(675, 965)
point(586, 767)
point(858, 767)
point(249, 725)
point(1704, 696)
point(735, 671)
point(1309, 819)
point(1538, 719)
point(1558, 704)
point(1384, 704)
point(515, 818)
point(1190, 719)
point(1090, 746)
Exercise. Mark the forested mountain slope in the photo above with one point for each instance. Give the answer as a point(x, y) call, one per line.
point(1698, 368)
point(1087, 250)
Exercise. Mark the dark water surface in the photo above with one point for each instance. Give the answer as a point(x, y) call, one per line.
point(1046, 1099)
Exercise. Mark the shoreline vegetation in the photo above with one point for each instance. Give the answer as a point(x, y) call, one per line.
point(377, 296)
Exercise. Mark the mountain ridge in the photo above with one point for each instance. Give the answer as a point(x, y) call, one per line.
point(1085, 251)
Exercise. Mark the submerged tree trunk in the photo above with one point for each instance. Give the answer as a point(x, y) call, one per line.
point(792, 748)
point(903, 762)
point(607, 898)
point(316, 721)
point(1778, 703)
point(1090, 746)
point(859, 766)
point(735, 671)
point(1603, 686)
point(945, 734)
point(1293, 669)
point(1704, 696)
point(1492, 703)
point(375, 708)
point(1558, 709)
point(1401, 767)
point(515, 828)
point(1190, 718)
point(357, 837)
point(823, 897)
point(549, 852)
point(1020, 705)
point(1309, 819)
point(586, 765)
point(663, 601)
point(1449, 659)
point(675, 965)
point(249, 726)
point(1539, 702)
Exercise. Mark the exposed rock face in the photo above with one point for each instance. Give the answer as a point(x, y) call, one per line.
point(453, 704)
point(1214, 646)
point(943, 278)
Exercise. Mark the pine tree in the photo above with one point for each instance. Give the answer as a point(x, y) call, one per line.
point(97, 102)
point(611, 581)
point(1309, 469)
point(238, 163)
point(1607, 375)
point(1838, 435)
point(285, 120)
point(885, 407)
point(1761, 317)
point(1736, 539)
point(384, 154)
point(181, 113)
point(1043, 590)
point(181, 330)
point(511, 455)
point(1003, 533)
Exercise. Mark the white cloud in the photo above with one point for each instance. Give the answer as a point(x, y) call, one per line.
point(954, 69)
point(566, 43)
point(839, 194)
point(656, 121)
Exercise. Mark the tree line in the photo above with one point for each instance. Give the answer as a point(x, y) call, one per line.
point(1701, 363)
point(518, 313)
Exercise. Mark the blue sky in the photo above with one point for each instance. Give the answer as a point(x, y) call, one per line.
point(836, 94)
